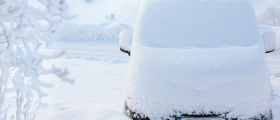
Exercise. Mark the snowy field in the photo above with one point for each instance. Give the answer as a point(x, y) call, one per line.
point(100, 70)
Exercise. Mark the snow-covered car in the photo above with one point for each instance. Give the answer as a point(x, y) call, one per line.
point(198, 60)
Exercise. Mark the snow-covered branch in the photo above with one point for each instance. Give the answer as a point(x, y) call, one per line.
point(20, 61)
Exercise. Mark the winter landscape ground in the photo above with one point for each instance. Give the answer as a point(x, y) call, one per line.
point(99, 70)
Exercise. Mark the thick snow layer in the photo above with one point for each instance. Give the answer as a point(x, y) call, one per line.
point(209, 56)
point(276, 30)
point(207, 24)
point(269, 39)
point(125, 39)
point(105, 32)
point(160, 85)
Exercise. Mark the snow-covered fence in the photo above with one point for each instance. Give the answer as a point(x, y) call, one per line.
point(264, 29)
point(103, 32)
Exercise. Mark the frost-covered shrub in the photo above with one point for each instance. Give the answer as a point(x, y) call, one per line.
point(20, 61)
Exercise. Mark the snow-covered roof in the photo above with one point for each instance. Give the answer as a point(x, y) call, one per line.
point(197, 55)
point(196, 23)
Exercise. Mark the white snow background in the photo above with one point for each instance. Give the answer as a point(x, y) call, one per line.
point(99, 68)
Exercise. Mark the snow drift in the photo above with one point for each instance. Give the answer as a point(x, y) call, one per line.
point(103, 32)
point(197, 56)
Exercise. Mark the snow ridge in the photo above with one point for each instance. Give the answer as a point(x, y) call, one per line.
point(103, 32)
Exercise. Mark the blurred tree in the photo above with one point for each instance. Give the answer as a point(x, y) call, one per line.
point(110, 17)
point(88, 1)
point(271, 17)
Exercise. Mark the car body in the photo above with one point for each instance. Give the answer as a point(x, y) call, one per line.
point(197, 58)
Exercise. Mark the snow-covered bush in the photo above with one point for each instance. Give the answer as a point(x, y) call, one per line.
point(20, 61)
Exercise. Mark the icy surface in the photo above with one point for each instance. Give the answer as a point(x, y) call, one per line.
point(125, 39)
point(269, 39)
point(203, 60)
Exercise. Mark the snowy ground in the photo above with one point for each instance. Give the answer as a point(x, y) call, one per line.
point(97, 94)
point(100, 70)
point(273, 62)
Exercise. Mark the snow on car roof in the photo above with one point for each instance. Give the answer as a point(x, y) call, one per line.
point(196, 23)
